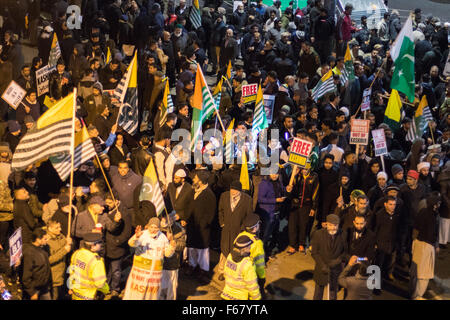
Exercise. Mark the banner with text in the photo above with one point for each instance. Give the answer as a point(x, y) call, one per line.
point(42, 79)
point(365, 104)
point(14, 94)
point(359, 131)
point(15, 247)
point(300, 151)
point(379, 141)
point(249, 92)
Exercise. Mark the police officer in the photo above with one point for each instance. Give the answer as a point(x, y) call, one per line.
point(87, 269)
point(241, 281)
point(252, 226)
point(303, 193)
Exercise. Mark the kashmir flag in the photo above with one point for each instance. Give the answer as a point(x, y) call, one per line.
point(392, 114)
point(217, 93)
point(228, 141)
point(51, 135)
point(84, 150)
point(259, 117)
point(167, 104)
point(348, 64)
point(203, 107)
point(245, 181)
point(325, 85)
point(150, 190)
point(402, 53)
point(421, 118)
point(195, 16)
point(55, 52)
point(126, 94)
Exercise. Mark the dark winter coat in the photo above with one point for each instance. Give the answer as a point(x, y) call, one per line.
point(231, 221)
point(140, 158)
point(444, 182)
point(329, 253)
point(37, 274)
point(386, 228)
point(125, 186)
point(183, 203)
point(199, 220)
point(23, 217)
point(364, 246)
point(117, 239)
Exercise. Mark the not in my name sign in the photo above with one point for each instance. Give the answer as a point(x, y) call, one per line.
point(300, 151)
point(359, 131)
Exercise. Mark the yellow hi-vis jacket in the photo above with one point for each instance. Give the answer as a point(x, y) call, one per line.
point(256, 253)
point(241, 282)
point(87, 275)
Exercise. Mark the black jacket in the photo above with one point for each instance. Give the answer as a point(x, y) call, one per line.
point(364, 246)
point(37, 273)
point(58, 91)
point(386, 230)
point(140, 158)
point(117, 239)
point(183, 203)
point(23, 217)
point(179, 235)
point(199, 219)
point(231, 221)
point(328, 253)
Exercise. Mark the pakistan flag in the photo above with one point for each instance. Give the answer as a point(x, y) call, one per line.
point(402, 53)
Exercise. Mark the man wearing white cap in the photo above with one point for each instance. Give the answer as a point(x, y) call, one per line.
point(424, 175)
point(377, 191)
point(181, 195)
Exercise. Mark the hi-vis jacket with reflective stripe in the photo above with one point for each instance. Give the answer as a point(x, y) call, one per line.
point(241, 282)
point(256, 253)
point(87, 275)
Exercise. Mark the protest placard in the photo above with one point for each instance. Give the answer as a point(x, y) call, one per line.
point(300, 151)
point(15, 246)
point(365, 104)
point(379, 141)
point(359, 133)
point(249, 92)
point(42, 79)
point(14, 94)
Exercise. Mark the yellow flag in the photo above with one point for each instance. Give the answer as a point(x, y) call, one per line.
point(244, 172)
point(423, 103)
point(229, 70)
point(62, 110)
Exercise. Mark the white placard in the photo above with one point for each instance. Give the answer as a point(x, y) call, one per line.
point(14, 94)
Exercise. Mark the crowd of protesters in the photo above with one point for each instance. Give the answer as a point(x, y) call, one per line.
point(346, 207)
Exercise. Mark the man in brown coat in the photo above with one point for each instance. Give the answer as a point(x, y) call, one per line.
point(234, 206)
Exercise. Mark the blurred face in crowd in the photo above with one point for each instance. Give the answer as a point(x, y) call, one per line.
point(392, 193)
point(96, 208)
point(106, 163)
point(42, 241)
point(399, 175)
point(325, 69)
point(434, 72)
point(306, 48)
point(60, 68)
point(119, 140)
point(113, 66)
point(96, 92)
point(289, 123)
point(54, 228)
point(314, 113)
point(184, 111)
point(109, 203)
point(90, 169)
point(273, 15)
point(381, 182)
point(359, 223)
point(302, 117)
point(93, 188)
point(177, 181)
point(332, 228)
point(362, 205)
point(274, 176)
point(411, 182)
point(390, 206)
point(350, 159)
point(123, 168)
point(31, 182)
point(340, 64)
point(177, 32)
point(32, 97)
point(425, 171)
point(328, 164)
point(344, 180)
point(375, 168)
point(435, 162)
point(26, 72)
point(152, 229)
point(166, 36)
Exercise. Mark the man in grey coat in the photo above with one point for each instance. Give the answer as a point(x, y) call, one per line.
point(125, 183)
point(355, 281)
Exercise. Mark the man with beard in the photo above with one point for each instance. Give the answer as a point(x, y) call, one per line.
point(424, 175)
point(360, 239)
point(328, 251)
point(181, 196)
point(348, 215)
point(377, 191)
point(327, 176)
point(337, 194)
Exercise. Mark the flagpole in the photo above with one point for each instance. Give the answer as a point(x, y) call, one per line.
point(72, 159)
point(431, 131)
point(106, 179)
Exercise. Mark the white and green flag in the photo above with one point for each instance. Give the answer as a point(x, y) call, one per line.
point(402, 53)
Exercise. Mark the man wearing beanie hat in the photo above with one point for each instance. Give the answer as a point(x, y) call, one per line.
point(424, 248)
point(252, 227)
point(14, 134)
point(397, 174)
point(241, 281)
point(234, 206)
point(377, 191)
point(93, 100)
point(87, 269)
point(151, 246)
point(411, 192)
point(328, 251)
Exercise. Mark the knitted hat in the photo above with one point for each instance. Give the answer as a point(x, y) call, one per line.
point(413, 174)
point(98, 86)
point(382, 174)
point(13, 126)
point(423, 165)
point(396, 168)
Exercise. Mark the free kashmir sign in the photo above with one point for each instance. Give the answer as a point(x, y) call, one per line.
point(300, 151)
